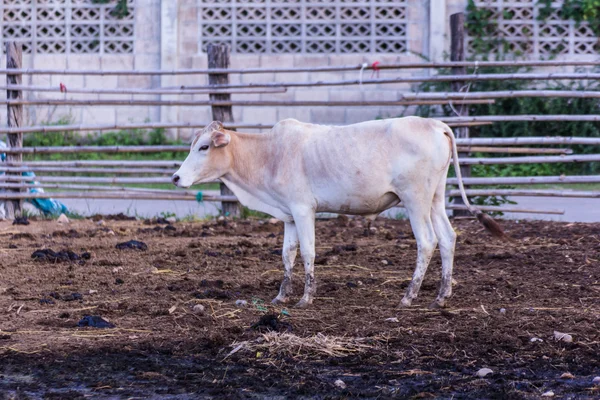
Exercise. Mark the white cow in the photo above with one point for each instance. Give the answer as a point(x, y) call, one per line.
point(299, 169)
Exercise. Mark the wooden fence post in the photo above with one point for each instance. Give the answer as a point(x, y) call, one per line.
point(218, 57)
point(457, 53)
point(14, 59)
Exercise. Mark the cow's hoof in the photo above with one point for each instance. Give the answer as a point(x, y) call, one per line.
point(303, 303)
point(437, 304)
point(405, 302)
point(279, 300)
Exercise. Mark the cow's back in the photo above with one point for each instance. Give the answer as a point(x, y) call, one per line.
point(357, 164)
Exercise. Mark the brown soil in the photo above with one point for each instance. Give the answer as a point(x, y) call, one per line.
point(547, 280)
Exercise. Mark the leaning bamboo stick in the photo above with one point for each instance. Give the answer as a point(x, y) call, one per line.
point(164, 196)
point(157, 91)
point(252, 103)
point(531, 193)
point(509, 150)
point(9, 185)
point(115, 195)
point(335, 68)
point(450, 193)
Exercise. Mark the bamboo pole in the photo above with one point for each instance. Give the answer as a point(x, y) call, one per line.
point(85, 179)
point(515, 150)
point(502, 94)
point(508, 209)
point(527, 193)
point(457, 53)
point(523, 118)
point(66, 170)
point(533, 140)
point(226, 103)
point(411, 79)
point(173, 91)
point(104, 127)
point(36, 165)
point(96, 163)
point(98, 149)
point(402, 96)
point(14, 59)
point(528, 180)
point(153, 125)
point(219, 58)
point(530, 160)
point(340, 68)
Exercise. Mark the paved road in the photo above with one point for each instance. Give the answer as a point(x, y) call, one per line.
point(576, 210)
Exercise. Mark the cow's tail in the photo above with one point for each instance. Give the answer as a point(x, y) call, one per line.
point(490, 224)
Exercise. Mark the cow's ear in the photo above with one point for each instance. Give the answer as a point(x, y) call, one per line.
point(220, 138)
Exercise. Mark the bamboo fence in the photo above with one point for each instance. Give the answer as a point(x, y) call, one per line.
point(108, 187)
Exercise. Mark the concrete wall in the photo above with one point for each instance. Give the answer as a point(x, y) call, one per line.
point(167, 36)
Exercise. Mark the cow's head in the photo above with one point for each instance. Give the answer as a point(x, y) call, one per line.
point(208, 159)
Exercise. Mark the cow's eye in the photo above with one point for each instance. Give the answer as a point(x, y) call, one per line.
point(203, 148)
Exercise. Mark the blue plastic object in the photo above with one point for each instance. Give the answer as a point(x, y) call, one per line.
point(199, 197)
point(46, 206)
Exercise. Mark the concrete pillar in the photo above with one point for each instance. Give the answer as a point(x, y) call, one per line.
point(437, 29)
point(169, 45)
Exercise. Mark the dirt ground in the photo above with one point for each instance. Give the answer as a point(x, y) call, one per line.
point(509, 298)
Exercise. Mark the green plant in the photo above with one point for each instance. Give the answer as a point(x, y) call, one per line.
point(167, 214)
point(121, 10)
point(576, 10)
point(248, 213)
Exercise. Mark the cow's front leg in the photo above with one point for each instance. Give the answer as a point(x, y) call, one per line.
point(290, 248)
point(305, 227)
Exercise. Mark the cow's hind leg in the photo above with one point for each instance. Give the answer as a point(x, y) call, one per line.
point(447, 240)
point(290, 248)
point(305, 226)
point(419, 213)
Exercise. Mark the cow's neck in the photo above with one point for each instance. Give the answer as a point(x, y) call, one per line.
point(246, 177)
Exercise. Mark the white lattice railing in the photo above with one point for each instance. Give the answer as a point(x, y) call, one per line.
point(305, 26)
point(521, 32)
point(67, 26)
